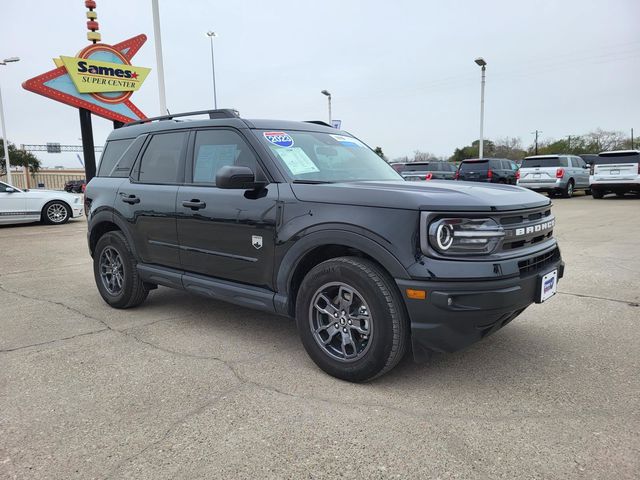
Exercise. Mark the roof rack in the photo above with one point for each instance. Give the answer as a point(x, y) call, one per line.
point(319, 122)
point(220, 113)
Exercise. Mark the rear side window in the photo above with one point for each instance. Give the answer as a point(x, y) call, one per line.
point(160, 162)
point(417, 167)
point(215, 149)
point(113, 150)
point(481, 166)
point(617, 158)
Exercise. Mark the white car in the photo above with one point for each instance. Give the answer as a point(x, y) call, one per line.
point(48, 206)
point(615, 172)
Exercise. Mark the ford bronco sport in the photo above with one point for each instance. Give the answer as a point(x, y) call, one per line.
point(303, 220)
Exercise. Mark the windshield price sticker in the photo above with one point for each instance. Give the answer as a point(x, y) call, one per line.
point(297, 161)
point(281, 139)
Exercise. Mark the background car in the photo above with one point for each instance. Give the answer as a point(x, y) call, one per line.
point(437, 170)
point(75, 186)
point(615, 172)
point(554, 174)
point(27, 206)
point(492, 170)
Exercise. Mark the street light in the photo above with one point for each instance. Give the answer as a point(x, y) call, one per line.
point(212, 34)
point(5, 141)
point(326, 92)
point(481, 63)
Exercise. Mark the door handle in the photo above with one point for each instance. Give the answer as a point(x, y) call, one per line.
point(130, 199)
point(194, 204)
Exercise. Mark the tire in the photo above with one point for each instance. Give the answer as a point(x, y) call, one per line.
point(567, 192)
point(596, 193)
point(378, 340)
point(55, 213)
point(620, 194)
point(126, 289)
point(587, 191)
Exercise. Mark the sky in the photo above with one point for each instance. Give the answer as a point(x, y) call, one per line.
point(401, 74)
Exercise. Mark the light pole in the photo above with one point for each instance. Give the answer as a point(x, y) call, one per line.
point(480, 62)
point(211, 35)
point(5, 141)
point(157, 40)
point(326, 92)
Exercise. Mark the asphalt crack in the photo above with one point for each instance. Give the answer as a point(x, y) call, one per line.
point(582, 295)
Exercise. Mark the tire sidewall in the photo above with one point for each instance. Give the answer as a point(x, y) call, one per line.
point(116, 241)
point(382, 338)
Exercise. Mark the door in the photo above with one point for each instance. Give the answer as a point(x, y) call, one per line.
point(581, 172)
point(13, 205)
point(227, 234)
point(147, 200)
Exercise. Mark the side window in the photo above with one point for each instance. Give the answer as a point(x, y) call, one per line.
point(160, 162)
point(113, 150)
point(576, 162)
point(564, 161)
point(215, 149)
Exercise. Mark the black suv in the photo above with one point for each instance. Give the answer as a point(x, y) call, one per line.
point(303, 220)
point(492, 170)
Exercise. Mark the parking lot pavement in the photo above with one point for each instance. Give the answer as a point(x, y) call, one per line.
point(186, 387)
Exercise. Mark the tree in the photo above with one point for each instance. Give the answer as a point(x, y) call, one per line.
point(18, 157)
point(379, 152)
point(419, 156)
point(593, 142)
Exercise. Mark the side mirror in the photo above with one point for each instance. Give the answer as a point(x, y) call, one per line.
point(586, 166)
point(237, 177)
point(10, 190)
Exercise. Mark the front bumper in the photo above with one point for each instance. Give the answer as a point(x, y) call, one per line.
point(455, 315)
point(77, 210)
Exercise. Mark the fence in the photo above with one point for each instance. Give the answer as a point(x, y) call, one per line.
point(49, 179)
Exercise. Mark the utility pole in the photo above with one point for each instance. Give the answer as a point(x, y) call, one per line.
point(536, 134)
point(632, 139)
point(328, 95)
point(569, 147)
point(211, 34)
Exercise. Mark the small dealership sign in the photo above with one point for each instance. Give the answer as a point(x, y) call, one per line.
point(92, 76)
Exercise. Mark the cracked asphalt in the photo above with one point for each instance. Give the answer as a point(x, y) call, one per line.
point(184, 387)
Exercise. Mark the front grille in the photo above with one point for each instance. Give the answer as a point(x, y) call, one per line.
point(523, 229)
point(537, 263)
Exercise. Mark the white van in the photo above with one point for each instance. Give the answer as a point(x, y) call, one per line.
point(615, 172)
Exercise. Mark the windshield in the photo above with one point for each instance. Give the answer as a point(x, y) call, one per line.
point(324, 157)
point(544, 162)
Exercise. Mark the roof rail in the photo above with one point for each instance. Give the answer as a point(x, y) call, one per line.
point(220, 113)
point(319, 122)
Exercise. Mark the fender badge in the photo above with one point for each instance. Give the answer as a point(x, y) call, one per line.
point(256, 240)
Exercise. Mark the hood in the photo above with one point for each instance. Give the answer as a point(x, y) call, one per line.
point(432, 195)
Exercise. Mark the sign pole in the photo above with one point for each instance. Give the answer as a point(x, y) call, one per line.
point(87, 144)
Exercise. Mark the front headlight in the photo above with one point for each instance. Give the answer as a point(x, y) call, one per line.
point(465, 236)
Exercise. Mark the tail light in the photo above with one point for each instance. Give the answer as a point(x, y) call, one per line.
point(517, 174)
point(593, 167)
point(560, 173)
point(428, 176)
point(489, 174)
point(638, 168)
point(457, 175)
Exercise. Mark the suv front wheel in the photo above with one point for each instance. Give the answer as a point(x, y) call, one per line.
point(115, 272)
point(351, 319)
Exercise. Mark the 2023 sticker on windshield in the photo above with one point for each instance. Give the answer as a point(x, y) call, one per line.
point(281, 139)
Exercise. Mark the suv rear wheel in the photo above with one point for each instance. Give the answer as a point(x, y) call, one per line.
point(596, 193)
point(568, 190)
point(351, 319)
point(115, 272)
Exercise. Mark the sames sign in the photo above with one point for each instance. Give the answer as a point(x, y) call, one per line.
point(101, 79)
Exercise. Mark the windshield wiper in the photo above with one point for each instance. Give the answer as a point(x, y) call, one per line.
point(311, 182)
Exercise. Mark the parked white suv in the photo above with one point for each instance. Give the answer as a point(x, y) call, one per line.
point(615, 172)
point(26, 206)
point(555, 174)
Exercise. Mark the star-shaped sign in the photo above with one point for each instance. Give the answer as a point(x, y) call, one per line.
point(58, 85)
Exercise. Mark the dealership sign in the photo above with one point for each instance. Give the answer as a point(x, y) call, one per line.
point(100, 78)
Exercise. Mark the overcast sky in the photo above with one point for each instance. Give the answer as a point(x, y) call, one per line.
point(401, 73)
